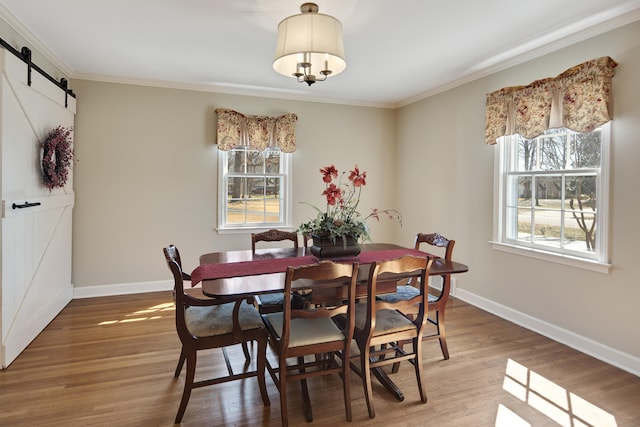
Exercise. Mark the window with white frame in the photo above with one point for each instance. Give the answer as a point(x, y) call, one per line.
point(553, 194)
point(254, 189)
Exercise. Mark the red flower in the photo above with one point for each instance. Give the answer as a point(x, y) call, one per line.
point(328, 172)
point(333, 193)
point(357, 178)
point(341, 217)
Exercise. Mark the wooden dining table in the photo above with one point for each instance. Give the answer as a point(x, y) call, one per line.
point(234, 275)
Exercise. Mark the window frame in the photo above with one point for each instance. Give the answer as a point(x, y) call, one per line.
point(285, 197)
point(599, 262)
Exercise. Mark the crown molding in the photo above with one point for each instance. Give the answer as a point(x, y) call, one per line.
point(33, 41)
point(231, 89)
point(548, 43)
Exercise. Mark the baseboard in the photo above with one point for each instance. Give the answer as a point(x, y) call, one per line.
point(19, 340)
point(121, 289)
point(585, 345)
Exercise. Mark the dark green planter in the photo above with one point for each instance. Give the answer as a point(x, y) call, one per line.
point(323, 247)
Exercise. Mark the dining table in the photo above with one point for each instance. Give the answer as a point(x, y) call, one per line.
point(232, 274)
point(238, 274)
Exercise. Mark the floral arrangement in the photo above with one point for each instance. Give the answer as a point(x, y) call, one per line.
point(57, 157)
point(341, 218)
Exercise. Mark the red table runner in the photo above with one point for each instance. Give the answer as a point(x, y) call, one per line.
point(279, 265)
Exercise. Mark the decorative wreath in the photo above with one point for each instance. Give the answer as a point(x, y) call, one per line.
point(56, 157)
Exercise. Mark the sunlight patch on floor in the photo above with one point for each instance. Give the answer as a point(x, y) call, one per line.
point(507, 418)
point(156, 312)
point(565, 408)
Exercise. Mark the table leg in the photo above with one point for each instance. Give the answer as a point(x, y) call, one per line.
point(387, 383)
point(306, 400)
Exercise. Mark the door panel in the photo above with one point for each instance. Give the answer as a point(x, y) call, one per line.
point(36, 240)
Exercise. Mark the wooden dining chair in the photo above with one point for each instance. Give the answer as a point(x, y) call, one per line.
point(295, 333)
point(274, 236)
point(271, 303)
point(209, 323)
point(437, 301)
point(380, 325)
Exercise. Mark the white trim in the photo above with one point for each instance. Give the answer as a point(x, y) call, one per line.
point(549, 42)
point(583, 344)
point(554, 257)
point(605, 204)
point(587, 28)
point(234, 89)
point(30, 38)
point(248, 230)
point(121, 289)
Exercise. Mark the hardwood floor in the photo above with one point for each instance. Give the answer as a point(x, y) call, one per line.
point(110, 361)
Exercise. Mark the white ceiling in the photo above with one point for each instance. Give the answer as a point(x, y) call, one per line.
point(396, 51)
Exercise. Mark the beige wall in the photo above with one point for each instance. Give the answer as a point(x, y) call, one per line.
point(441, 141)
point(146, 174)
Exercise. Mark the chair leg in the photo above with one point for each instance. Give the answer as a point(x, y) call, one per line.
point(261, 363)
point(417, 350)
point(245, 350)
point(346, 380)
point(366, 381)
point(188, 385)
point(442, 337)
point(282, 379)
point(180, 363)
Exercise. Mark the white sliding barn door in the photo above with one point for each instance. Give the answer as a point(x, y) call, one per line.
point(36, 239)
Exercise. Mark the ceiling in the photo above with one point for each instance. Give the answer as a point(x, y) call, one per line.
point(396, 51)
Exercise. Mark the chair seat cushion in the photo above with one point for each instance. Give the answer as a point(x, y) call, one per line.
point(306, 331)
point(272, 300)
point(403, 293)
point(299, 299)
point(207, 321)
point(387, 321)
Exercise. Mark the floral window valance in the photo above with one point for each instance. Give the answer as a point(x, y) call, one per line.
point(260, 132)
point(578, 99)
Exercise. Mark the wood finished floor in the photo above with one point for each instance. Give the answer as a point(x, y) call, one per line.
point(110, 361)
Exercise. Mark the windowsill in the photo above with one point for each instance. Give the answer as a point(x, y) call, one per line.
point(567, 260)
point(248, 230)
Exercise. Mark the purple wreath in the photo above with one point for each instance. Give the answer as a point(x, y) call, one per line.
point(56, 157)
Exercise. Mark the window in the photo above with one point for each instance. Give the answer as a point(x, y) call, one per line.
point(254, 189)
point(553, 195)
